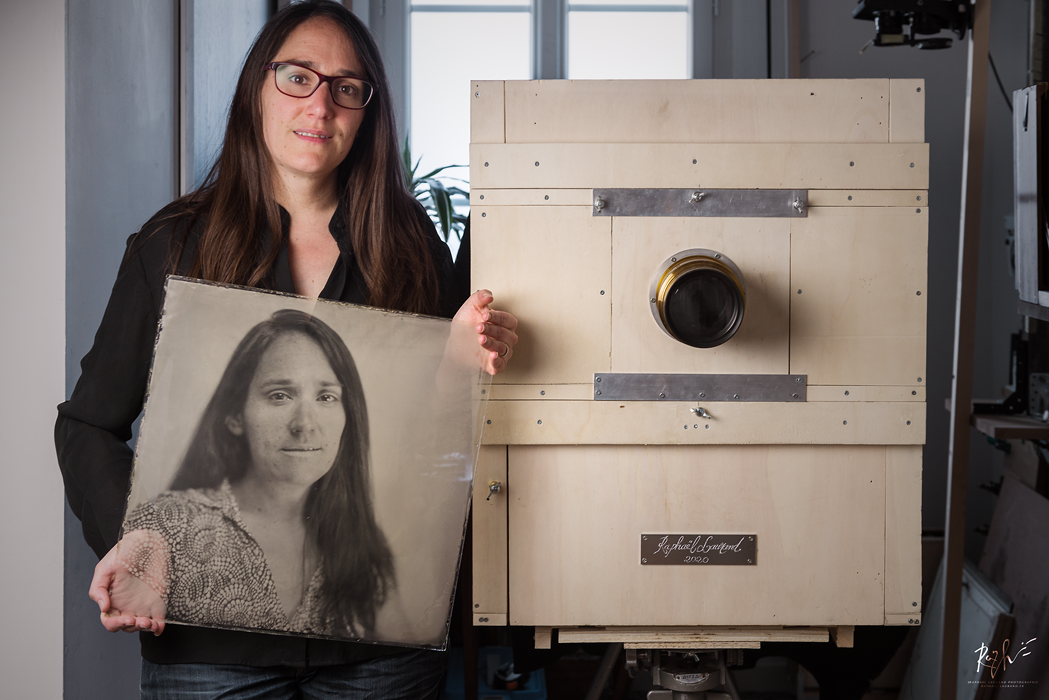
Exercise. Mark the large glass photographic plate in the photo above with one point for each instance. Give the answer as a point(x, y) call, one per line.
point(198, 557)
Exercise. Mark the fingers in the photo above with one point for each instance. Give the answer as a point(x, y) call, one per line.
point(501, 318)
point(118, 622)
point(497, 347)
point(503, 336)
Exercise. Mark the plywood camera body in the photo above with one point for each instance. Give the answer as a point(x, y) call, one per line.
point(829, 483)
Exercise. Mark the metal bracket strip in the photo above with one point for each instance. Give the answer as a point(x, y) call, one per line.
point(696, 387)
point(700, 202)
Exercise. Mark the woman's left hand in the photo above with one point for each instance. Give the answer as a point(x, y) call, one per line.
point(495, 329)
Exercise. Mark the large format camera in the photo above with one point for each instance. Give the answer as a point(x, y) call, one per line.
point(711, 434)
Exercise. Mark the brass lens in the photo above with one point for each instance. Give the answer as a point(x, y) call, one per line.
point(699, 298)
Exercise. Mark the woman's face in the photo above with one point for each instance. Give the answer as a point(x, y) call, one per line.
point(293, 416)
point(309, 137)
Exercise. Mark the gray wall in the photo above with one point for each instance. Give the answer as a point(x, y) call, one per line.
point(220, 32)
point(121, 131)
point(32, 189)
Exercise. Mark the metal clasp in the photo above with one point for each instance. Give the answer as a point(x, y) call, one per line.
point(493, 488)
point(701, 412)
point(696, 196)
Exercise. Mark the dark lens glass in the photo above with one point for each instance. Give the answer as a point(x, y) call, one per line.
point(703, 308)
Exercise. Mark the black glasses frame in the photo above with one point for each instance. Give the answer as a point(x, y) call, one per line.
point(330, 79)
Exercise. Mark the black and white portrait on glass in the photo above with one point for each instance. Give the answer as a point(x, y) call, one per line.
point(298, 469)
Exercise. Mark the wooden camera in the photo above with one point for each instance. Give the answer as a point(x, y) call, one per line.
point(711, 432)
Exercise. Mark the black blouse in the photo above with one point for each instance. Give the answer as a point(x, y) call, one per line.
point(94, 426)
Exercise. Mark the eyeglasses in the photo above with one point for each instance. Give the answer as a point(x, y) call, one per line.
point(299, 81)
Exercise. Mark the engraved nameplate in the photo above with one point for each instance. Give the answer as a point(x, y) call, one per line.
point(698, 550)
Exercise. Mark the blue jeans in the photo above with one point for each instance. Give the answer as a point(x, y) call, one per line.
point(414, 675)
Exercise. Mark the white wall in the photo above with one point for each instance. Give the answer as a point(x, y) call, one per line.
point(32, 363)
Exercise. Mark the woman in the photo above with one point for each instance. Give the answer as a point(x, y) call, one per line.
point(307, 197)
point(270, 511)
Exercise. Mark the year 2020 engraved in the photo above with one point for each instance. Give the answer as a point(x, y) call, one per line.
point(698, 550)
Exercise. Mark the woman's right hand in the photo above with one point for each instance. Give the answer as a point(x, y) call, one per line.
point(130, 584)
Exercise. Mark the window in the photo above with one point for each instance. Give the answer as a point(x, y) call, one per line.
point(609, 39)
point(452, 44)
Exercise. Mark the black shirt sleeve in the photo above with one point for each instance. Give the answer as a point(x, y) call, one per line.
point(94, 426)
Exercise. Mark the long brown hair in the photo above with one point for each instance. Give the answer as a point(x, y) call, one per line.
point(385, 224)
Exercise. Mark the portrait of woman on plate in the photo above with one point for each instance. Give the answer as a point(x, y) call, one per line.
point(268, 523)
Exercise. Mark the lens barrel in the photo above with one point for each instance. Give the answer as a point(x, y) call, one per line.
point(698, 298)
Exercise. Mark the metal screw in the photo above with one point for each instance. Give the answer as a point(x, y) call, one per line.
point(483, 214)
point(797, 379)
point(735, 396)
point(599, 203)
point(919, 198)
point(794, 395)
point(483, 390)
point(912, 165)
point(852, 163)
point(542, 393)
point(846, 392)
point(707, 427)
point(914, 393)
point(749, 561)
point(917, 211)
point(477, 605)
point(598, 392)
point(717, 256)
point(482, 196)
point(662, 395)
point(702, 394)
point(643, 560)
point(915, 603)
point(646, 538)
point(919, 379)
point(489, 421)
point(693, 161)
point(539, 422)
point(799, 291)
point(918, 90)
point(908, 422)
point(548, 197)
point(850, 197)
point(653, 300)
point(696, 425)
point(598, 379)
point(486, 164)
point(537, 164)
point(673, 260)
point(602, 292)
point(845, 422)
